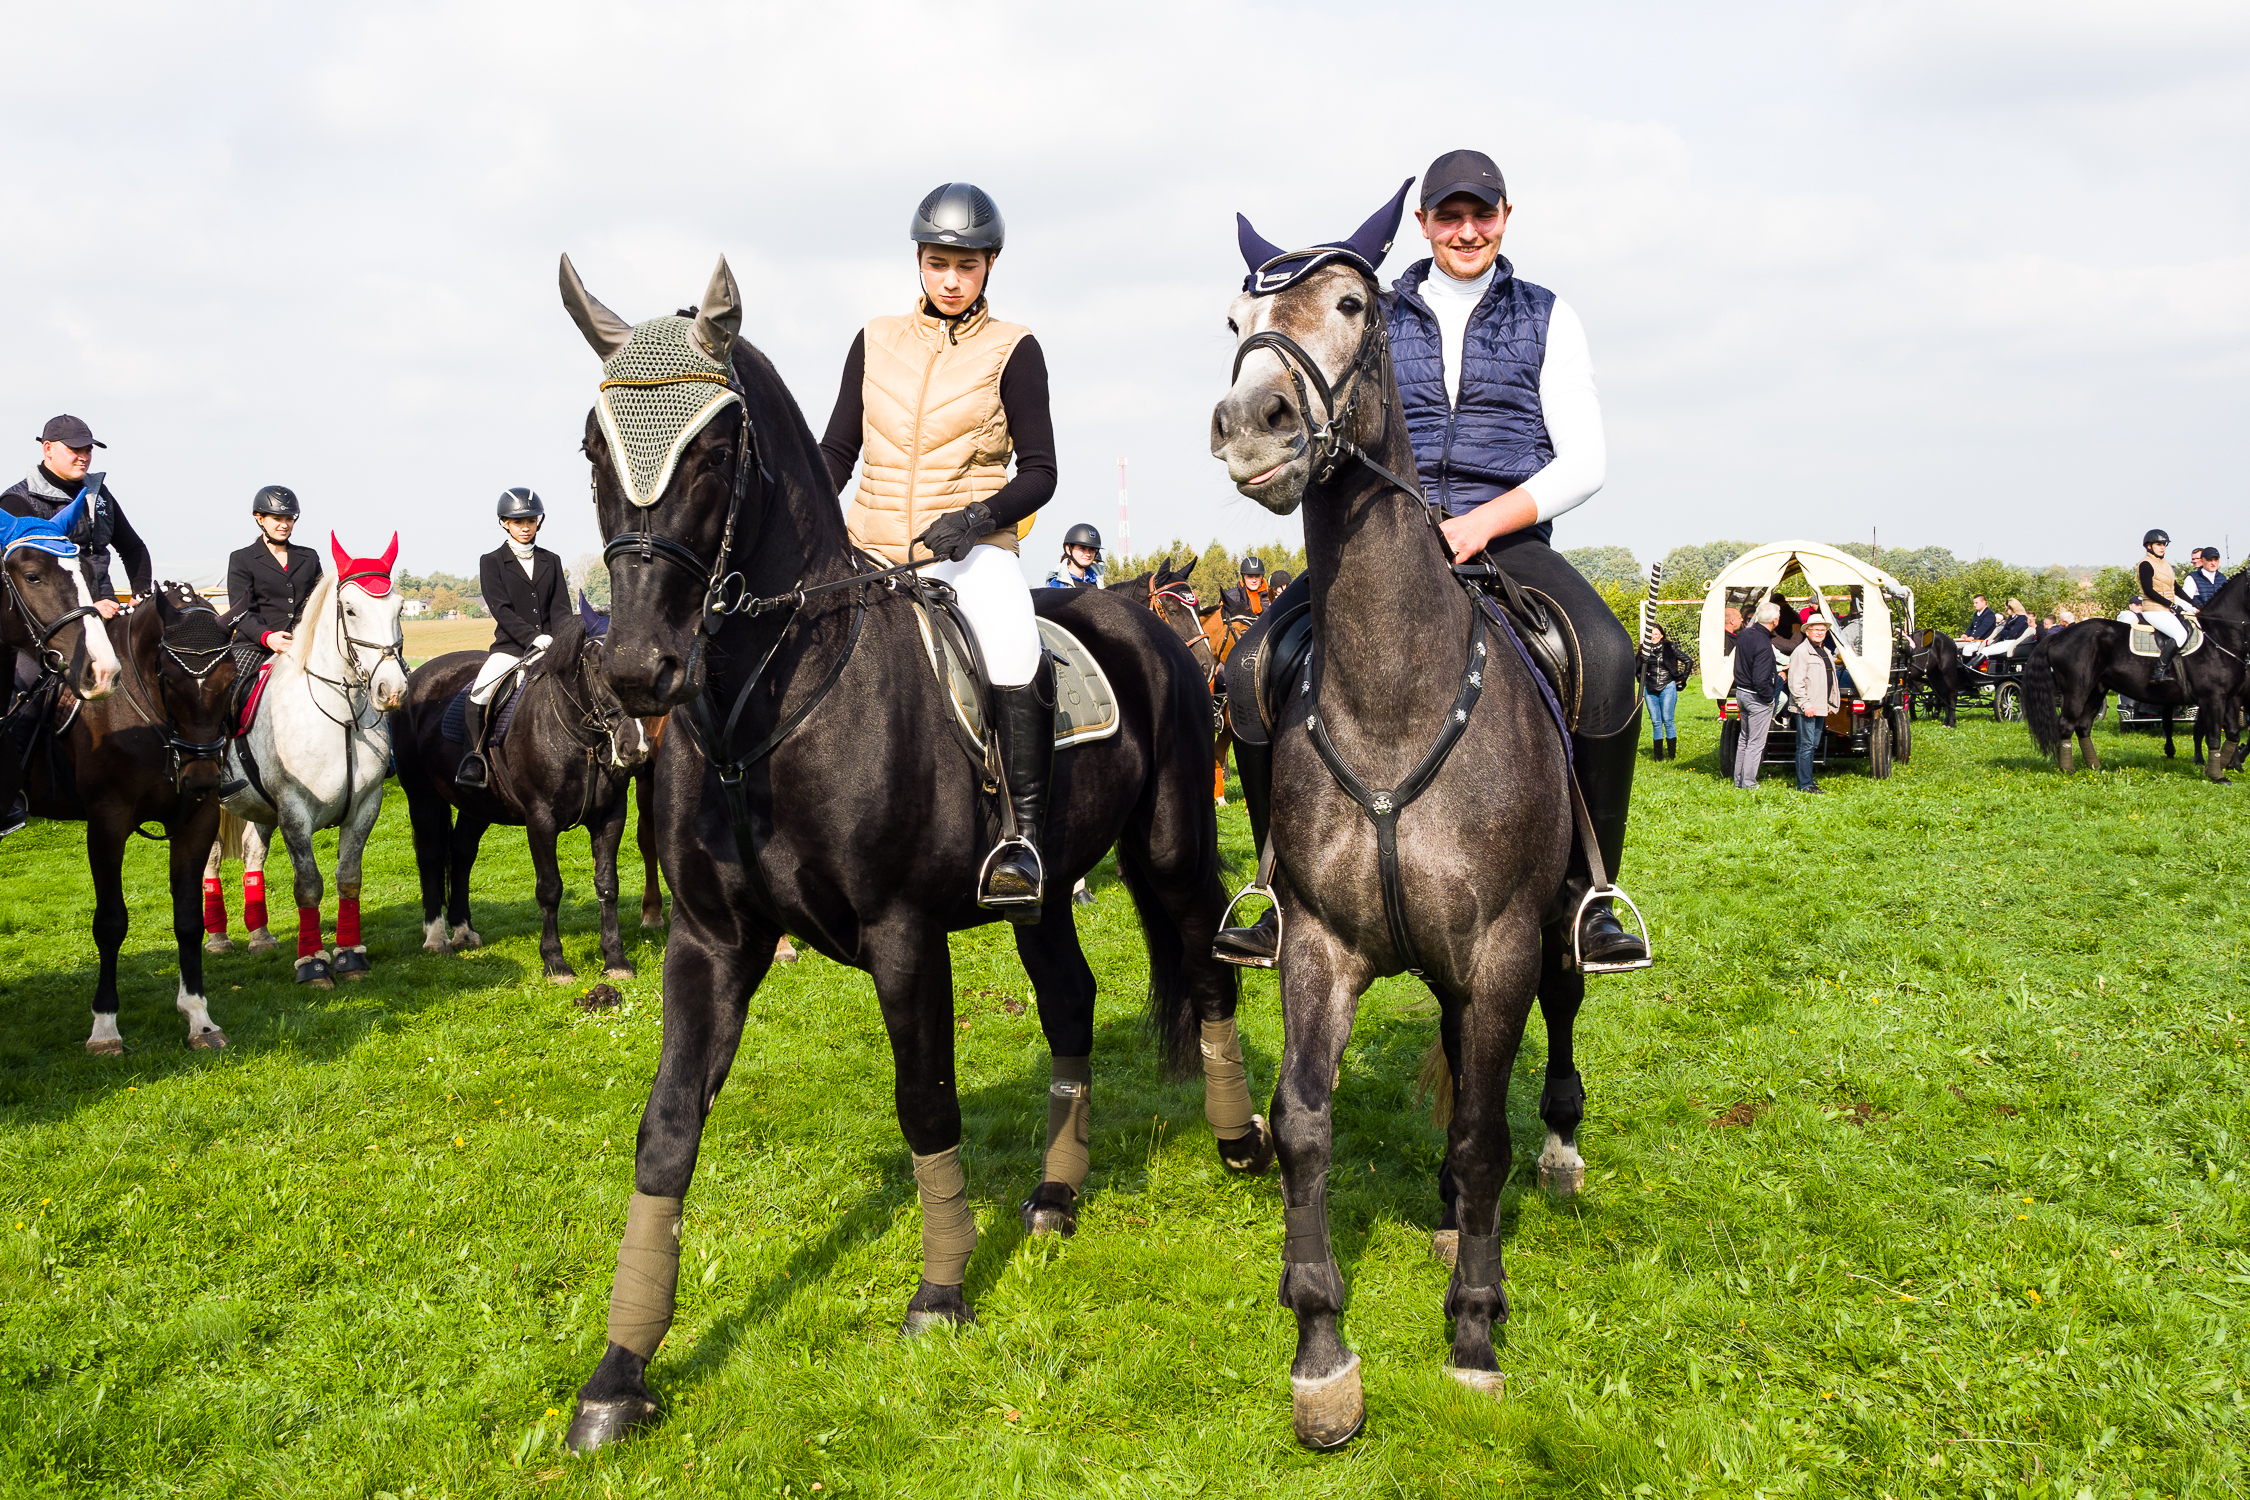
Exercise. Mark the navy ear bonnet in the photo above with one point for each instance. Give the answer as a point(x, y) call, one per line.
point(594, 619)
point(1272, 268)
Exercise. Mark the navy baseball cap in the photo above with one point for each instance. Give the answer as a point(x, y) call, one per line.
point(1470, 172)
point(71, 432)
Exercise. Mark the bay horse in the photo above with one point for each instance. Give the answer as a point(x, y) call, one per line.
point(566, 761)
point(1404, 663)
point(316, 753)
point(1172, 599)
point(2070, 672)
point(809, 784)
point(147, 754)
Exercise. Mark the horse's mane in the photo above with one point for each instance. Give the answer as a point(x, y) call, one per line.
point(565, 641)
point(301, 644)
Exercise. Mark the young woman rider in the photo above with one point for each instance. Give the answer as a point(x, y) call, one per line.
point(939, 399)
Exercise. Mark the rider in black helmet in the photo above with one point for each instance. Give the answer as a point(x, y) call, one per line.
point(2165, 607)
point(526, 595)
point(1250, 596)
point(268, 583)
point(1081, 566)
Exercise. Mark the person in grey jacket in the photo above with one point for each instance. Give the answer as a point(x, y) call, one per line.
point(1756, 686)
point(66, 451)
point(1814, 695)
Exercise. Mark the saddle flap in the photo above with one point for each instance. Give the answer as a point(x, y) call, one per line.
point(502, 712)
point(1550, 642)
point(256, 696)
point(1085, 702)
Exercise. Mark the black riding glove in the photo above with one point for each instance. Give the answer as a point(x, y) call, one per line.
point(951, 535)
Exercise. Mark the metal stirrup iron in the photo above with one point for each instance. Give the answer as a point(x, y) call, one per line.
point(1598, 887)
point(1260, 884)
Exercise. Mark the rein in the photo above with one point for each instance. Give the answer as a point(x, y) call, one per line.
point(183, 752)
point(1197, 642)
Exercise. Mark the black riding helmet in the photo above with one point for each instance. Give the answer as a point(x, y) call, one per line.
point(520, 504)
point(276, 500)
point(2154, 537)
point(959, 214)
point(1253, 566)
point(1082, 535)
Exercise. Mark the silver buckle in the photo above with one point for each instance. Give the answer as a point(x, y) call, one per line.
point(1254, 888)
point(1578, 958)
point(985, 869)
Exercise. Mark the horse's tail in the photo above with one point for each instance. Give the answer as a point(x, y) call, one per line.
point(1436, 1080)
point(2039, 714)
point(1172, 1012)
point(230, 835)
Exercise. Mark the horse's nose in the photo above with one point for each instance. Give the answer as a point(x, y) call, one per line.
point(101, 679)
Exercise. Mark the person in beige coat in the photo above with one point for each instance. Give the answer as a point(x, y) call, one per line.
point(934, 404)
point(1813, 696)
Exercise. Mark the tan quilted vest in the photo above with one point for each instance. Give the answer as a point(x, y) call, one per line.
point(2160, 578)
point(934, 436)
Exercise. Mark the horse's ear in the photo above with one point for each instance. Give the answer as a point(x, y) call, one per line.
point(390, 553)
point(343, 558)
point(605, 330)
point(720, 317)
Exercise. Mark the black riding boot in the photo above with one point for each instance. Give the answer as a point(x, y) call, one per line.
point(1260, 943)
point(473, 772)
point(16, 737)
point(2166, 649)
point(1604, 766)
point(1015, 875)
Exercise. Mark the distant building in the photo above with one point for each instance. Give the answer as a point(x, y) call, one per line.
point(414, 608)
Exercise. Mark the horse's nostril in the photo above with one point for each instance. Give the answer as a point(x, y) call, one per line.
point(1277, 412)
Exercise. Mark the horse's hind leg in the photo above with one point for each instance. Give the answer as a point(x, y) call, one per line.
point(105, 854)
point(1064, 987)
point(1562, 1102)
point(468, 834)
point(256, 843)
point(1481, 1149)
point(215, 902)
point(432, 817)
point(187, 926)
point(607, 837)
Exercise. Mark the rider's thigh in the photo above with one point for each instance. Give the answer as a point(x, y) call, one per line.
point(997, 602)
point(1612, 685)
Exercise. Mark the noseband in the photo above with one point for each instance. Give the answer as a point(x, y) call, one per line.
point(43, 633)
point(1332, 447)
point(1198, 643)
point(358, 680)
point(724, 592)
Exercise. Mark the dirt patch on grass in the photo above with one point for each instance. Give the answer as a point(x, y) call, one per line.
point(1962, 1094)
point(1740, 1114)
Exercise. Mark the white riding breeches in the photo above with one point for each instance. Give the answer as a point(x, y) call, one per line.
point(2163, 619)
point(997, 603)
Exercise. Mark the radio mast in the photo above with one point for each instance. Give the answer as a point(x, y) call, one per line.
point(1124, 514)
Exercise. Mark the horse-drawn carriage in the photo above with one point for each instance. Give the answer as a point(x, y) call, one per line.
point(1874, 722)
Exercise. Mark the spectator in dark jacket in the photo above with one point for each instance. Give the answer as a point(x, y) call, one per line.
point(1663, 669)
point(66, 450)
point(1756, 686)
point(1983, 622)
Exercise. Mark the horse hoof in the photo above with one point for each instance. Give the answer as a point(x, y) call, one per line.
point(1562, 1179)
point(1328, 1412)
point(567, 976)
point(466, 939)
point(107, 1046)
point(620, 971)
point(218, 943)
point(1249, 1155)
point(1493, 1383)
point(597, 1424)
point(1445, 1245)
point(1052, 1209)
point(315, 972)
point(209, 1040)
point(262, 941)
point(937, 1307)
point(353, 963)
point(783, 953)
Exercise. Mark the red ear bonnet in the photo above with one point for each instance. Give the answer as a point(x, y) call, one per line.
point(371, 574)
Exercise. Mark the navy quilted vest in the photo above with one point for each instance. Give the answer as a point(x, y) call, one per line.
point(1497, 436)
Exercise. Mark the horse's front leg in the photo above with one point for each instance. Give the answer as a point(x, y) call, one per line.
point(548, 886)
point(1321, 982)
point(257, 842)
point(312, 957)
point(1063, 985)
point(106, 833)
point(710, 972)
point(644, 834)
point(607, 837)
point(351, 845)
point(189, 835)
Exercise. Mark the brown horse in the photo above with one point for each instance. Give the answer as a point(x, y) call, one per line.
point(1205, 630)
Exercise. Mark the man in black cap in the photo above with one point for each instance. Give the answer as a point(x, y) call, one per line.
point(66, 449)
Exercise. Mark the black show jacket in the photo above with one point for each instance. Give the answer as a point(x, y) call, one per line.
point(523, 609)
point(264, 596)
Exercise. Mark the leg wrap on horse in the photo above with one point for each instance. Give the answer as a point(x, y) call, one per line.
point(254, 899)
point(1477, 1267)
point(1310, 1281)
point(308, 931)
point(1070, 1112)
point(648, 1275)
point(1226, 1082)
point(347, 922)
point(214, 906)
point(949, 1230)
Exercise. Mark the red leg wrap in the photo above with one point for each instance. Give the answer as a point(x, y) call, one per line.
point(254, 900)
point(347, 922)
point(214, 907)
point(308, 931)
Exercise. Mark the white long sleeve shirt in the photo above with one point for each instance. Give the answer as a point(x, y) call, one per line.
point(1567, 398)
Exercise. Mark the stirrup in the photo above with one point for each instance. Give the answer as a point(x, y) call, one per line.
point(1254, 888)
point(984, 872)
point(1577, 919)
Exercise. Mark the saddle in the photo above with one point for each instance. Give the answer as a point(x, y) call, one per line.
point(1085, 703)
point(2141, 637)
point(500, 713)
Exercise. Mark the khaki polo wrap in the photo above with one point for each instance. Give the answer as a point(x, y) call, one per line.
point(949, 1230)
point(648, 1275)
point(1070, 1120)
point(1226, 1081)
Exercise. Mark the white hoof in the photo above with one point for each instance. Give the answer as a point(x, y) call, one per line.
point(1562, 1171)
point(1493, 1383)
point(465, 937)
point(433, 936)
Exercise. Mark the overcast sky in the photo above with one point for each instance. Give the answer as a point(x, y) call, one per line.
point(1971, 271)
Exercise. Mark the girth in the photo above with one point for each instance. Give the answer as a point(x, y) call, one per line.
point(1383, 806)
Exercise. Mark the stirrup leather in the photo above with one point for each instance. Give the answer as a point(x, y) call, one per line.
point(1578, 958)
point(984, 873)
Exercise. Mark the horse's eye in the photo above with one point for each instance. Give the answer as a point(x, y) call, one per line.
point(1232, 329)
point(1351, 307)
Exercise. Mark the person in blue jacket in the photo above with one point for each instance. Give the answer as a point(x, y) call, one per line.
point(1081, 565)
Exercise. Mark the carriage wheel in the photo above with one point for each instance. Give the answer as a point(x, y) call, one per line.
point(2007, 702)
point(1730, 739)
point(1879, 749)
point(1902, 734)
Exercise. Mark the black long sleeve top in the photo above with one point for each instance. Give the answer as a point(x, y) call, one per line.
point(1031, 428)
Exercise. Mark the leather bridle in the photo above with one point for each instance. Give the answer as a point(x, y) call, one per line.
point(43, 633)
point(725, 592)
point(1331, 446)
point(358, 679)
point(1196, 642)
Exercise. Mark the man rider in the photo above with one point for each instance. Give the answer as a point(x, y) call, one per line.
point(66, 450)
point(1498, 393)
point(1081, 565)
point(1248, 597)
point(2164, 606)
point(2203, 585)
point(525, 593)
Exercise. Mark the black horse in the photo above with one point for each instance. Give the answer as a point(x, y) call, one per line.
point(566, 761)
point(1934, 667)
point(809, 783)
point(1463, 886)
point(2071, 671)
point(148, 753)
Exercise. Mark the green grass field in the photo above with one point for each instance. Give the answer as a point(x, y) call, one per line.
point(1915, 1170)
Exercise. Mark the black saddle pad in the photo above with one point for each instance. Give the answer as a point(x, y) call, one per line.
point(454, 726)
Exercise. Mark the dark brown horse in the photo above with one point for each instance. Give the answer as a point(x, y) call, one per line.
point(147, 754)
point(1173, 600)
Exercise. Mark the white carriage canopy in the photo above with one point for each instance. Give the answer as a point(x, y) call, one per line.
point(1827, 573)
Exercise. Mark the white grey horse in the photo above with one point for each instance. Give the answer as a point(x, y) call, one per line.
point(318, 751)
